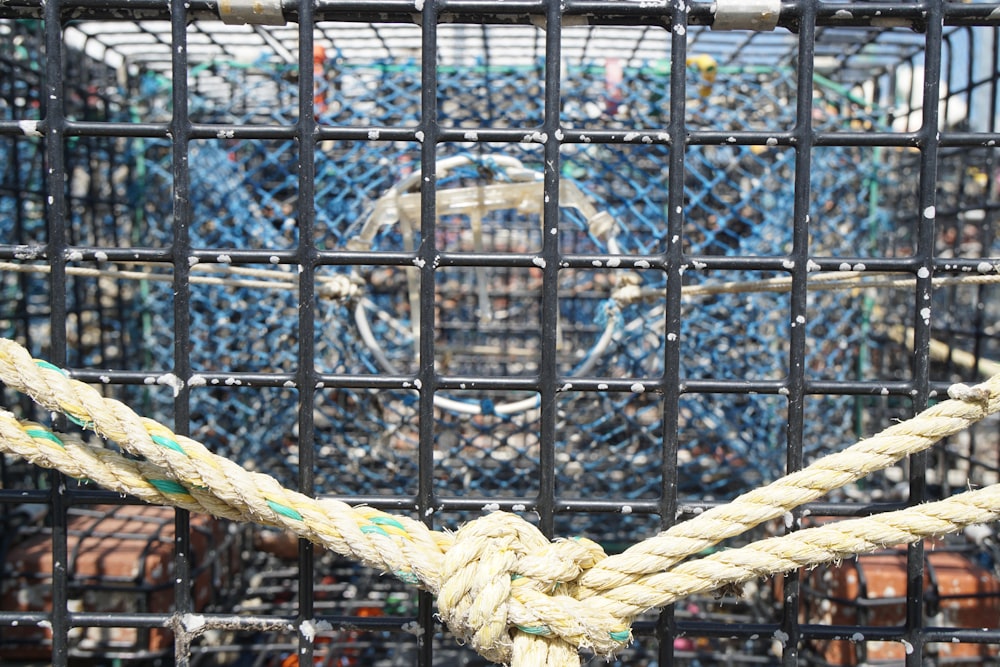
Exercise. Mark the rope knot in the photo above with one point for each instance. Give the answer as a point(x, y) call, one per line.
point(502, 578)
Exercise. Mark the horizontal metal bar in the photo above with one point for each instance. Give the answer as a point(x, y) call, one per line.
point(205, 620)
point(234, 256)
point(481, 383)
point(588, 12)
point(366, 133)
point(565, 505)
point(215, 379)
point(527, 134)
point(89, 253)
point(29, 496)
point(896, 633)
point(813, 387)
point(780, 263)
point(777, 264)
point(486, 383)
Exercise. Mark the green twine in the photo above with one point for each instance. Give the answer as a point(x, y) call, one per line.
point(45, 435)
point(367, 530)
point(387, 521)
point(44, 364)
point(284, 511)
point(82, 423)
point(169, 486)
point(406, 577)
point(169, 443)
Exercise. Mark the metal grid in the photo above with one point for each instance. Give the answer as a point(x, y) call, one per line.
point(942, 223)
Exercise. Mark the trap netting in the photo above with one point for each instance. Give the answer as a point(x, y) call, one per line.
point(611, 323)
point(487, 317)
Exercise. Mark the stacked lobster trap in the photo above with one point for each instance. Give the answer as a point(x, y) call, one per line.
point(444, 260)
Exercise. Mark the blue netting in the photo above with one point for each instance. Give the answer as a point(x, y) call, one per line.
point(738, 203)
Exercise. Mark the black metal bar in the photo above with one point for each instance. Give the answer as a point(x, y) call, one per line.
point(950, 138)
point(565, 504)
point(429, 136)
point(305, 255)
point(594, 12)
point(56, 218)
point(550, 269)
point(180, 127)
point(927, 196)
point(798, 303)
point(949, 265)
point(674, 263)
point(457, 382)
point(990, 220)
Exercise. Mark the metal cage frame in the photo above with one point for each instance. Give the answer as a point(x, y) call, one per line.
point(807, 30)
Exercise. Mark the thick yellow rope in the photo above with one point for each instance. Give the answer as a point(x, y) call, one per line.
point(515, 596)
point(967, 406)
point(106, 468)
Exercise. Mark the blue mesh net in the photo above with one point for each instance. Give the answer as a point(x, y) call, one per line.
point(739, 201)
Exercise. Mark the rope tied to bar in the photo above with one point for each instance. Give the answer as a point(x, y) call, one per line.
point(515, 596)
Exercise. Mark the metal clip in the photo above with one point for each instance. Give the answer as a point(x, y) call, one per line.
point(256, 12)
point(759, 15)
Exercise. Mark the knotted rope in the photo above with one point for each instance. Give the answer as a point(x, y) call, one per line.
point(512, 594)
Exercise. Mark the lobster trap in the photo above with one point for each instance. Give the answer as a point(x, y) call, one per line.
point(604, 264)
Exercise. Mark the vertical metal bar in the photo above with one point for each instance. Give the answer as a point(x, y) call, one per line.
point(673, 262)
point(990, 166)
point(994, 91)
point(11, 180)
point(306, 253)
point(426, 258)
point(180, 131)
point(547, 368)
point(920, 390)
point(798, 302)
point(491, 115)
point(55, 189)
point(954, 43)
point(18, 185)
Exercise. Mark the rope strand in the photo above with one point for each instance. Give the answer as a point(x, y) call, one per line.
point(364, 534)
point(833, 471)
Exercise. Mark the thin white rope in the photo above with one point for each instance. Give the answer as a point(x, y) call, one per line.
point(339, 286)
point(274, 278)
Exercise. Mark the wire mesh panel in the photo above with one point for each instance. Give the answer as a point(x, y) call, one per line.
point(601, 264)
